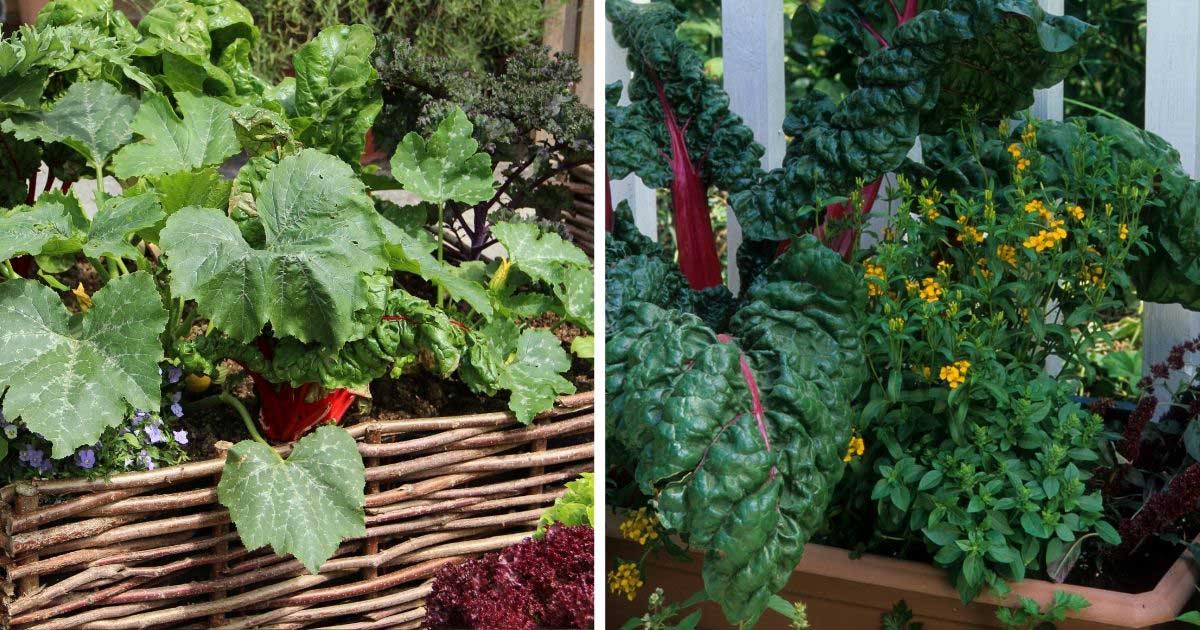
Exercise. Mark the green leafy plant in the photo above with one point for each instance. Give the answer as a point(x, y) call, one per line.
point(1027, 614)
point(900, 617)
point(575, 507)
point(290, 270)
point(780, 365)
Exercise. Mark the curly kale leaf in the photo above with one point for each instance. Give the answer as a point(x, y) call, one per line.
point(322, 237)
point(740, 436)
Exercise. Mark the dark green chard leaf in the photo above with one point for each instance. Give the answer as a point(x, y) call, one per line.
point(69, 377)
point(322, 236)
point(304, 505)
point(740, 436)
point(336, 97)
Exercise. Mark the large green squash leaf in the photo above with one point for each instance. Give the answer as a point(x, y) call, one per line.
point(69, 377)
point(322, 237)
point(546, 257)
point(410, 252)
point(534, 374)
point(93, 118)
point(304, 505)
point(446, 167)
point(740, 436)
point(203, 137)
point(55, 225)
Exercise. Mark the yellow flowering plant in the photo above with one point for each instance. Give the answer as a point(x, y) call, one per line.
point(970, 447)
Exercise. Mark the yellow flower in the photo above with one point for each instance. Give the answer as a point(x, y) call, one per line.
point(928, 205)
point(641, 526)
point(983, 270)
point(944, 267)
point(931, 290)
point(1008, 254)
point(855, 449)
point(625, 580)
point(1124, 234)
point(955, 374)
point(912, 286)
point(971, 235)
point(1022, 164)
point(82, 298)
point(1014, 150)
point(1076, 212)
point(871, 270)
point(1093, 275)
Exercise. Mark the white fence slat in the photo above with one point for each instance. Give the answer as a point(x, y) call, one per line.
point(1173, 112)
point(1048, 103)
point(753, 54)
point(641, 198)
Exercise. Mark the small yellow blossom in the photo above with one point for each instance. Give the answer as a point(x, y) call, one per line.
point(983, 270)
point(955, 374)
point(929, 205)
point(82, 298)
point(931, 290)
point(1076, 212)
point(970, 234)
point(1022, 164)
point(1093, 275)
point(1008, 254)
point(641, 526)
point(1124, 234)
point(872, 270)
point(944, 267)
point(625, 580)
point(855, 449)
point(912, 286)
point(1015, 150)
point(1108, 209)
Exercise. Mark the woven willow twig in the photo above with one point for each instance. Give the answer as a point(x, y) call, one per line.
point(152, 549)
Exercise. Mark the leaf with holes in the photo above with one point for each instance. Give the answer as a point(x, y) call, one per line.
point(445, 167)
point(304, 505)
point(204, 136)
point(69, 377)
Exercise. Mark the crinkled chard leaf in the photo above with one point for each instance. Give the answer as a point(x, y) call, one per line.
point(740, 436)
point(336, 97)
point(534, 374)
point(446, 167)
point(204, 136)
point(304, 505)
point(69, 377)
point(321, 238)
point(93, 118)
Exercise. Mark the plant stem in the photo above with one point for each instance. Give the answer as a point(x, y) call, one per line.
point(8, 271)
point(52, 281)
point(441, 293)
point(237, 405)
point(100, 196)
point(1102, 112)
point(121, 265)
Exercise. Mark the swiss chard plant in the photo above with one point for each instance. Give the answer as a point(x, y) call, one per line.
point(746, 402)
point(288, 271)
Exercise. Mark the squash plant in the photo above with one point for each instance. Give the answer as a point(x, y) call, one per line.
point(735, 413)
point(290, 269)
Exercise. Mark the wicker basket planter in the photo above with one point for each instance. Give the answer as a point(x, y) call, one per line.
point(154, 549)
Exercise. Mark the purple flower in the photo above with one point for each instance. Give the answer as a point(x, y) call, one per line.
point(155, 433)
point(176, 408)
point(180, 436)
point(32, 457)
point(46, 467)
point(144, 460)
point(174, 374)
point(139, 417)
point(85, 457)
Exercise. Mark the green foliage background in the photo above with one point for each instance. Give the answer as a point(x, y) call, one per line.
point(473, 31)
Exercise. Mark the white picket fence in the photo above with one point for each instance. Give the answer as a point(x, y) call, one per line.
point(753, 58)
